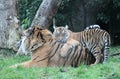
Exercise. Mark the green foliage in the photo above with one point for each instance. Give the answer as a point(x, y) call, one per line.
point(25, 23)
point(108, 11)
point(27, 10)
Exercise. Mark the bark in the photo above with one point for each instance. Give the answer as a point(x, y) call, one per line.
point(45, 13)
point(8, 24)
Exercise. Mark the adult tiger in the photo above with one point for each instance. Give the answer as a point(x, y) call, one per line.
point(48, 54)
point(30, 41)
point(97, 41)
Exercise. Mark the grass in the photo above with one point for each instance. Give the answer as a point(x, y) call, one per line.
point(109, 70)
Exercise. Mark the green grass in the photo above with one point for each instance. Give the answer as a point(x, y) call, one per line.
point(109, 70)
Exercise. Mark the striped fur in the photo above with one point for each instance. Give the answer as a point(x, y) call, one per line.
point(97, 41)
point(30, 41)
point(49, 54)
point(93, 27)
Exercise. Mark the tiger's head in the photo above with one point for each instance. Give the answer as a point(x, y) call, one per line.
point(36, 37)
point(61, 33)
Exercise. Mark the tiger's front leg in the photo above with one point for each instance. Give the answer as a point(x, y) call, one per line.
point(98, 58)
point(26, 64)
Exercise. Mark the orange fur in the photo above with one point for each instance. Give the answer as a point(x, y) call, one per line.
point(48, 54)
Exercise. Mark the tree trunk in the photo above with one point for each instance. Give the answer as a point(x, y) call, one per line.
point(45, 13)
point(8, 24)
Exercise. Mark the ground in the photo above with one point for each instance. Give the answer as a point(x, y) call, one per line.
point(109, 70)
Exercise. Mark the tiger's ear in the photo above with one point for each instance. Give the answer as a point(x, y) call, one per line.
point(66, 26)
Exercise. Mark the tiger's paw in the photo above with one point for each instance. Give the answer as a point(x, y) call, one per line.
point(14, 66)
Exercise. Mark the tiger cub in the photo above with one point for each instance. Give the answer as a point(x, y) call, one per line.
point(68, 43)
point(97, 41)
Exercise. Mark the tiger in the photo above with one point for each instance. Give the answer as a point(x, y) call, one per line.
point(28, 42)
point(48, 54)
point(97, 41)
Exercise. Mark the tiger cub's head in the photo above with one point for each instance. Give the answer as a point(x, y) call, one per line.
point(61, 33)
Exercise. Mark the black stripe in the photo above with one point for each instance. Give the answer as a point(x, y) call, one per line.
point(78, 59)
point(73, 63)
point(53, 52)
point(69, 52)
point(40, 34)
point(73, 53)
point(35, 58)
point(48, 56)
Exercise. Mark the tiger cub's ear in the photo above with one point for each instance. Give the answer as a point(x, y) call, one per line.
point(66, 26)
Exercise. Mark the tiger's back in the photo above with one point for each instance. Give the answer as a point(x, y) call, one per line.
point(91, 36)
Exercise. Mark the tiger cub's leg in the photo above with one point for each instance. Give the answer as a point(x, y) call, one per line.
point(98, 55)
point(71, 43)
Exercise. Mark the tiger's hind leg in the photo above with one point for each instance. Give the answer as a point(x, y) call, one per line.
point(98, 55)
point(98, 58)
